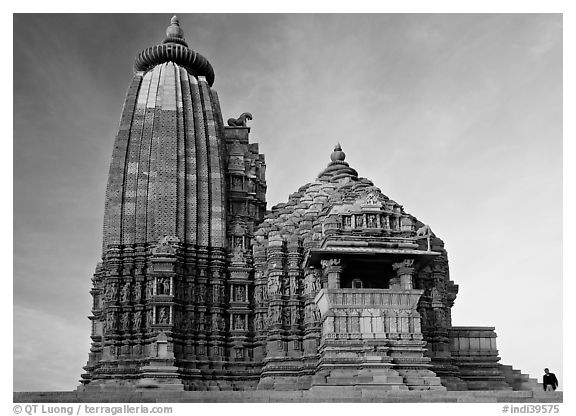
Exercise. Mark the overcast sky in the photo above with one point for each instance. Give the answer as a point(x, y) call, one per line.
point(456, 117)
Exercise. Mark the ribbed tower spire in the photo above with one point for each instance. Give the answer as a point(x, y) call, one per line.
point(163, 270)
point(166, 176)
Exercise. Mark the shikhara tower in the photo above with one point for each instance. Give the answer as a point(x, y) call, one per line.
point(166, 225)
point(200, 288)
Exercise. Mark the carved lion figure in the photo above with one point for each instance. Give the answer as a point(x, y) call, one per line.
point(424, 231)
point(240, 121)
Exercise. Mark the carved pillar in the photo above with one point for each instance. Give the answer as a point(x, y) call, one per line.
point(294, 307)
point(217, 305)
point(260, 301)
point(275, 257)
point(332, 270)
point(404, 272)
point(201, 303)
point(239, 310)
point(190, 328)
point(312, 285)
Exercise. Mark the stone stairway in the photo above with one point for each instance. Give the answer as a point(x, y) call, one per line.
point(328, 394)
point(518, 380)
point(382, 379)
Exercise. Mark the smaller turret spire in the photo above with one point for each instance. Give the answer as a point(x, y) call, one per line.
point(338, 168)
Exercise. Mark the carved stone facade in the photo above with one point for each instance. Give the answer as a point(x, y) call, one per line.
point(201, 288)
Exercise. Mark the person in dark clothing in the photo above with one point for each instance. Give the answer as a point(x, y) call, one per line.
point(549, 379)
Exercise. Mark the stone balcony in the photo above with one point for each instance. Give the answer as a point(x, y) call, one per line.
point(369, 313)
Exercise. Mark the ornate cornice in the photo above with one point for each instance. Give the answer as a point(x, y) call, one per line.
point(175, 49)
point(180, 55)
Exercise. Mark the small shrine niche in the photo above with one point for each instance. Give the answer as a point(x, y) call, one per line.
point(370, 213)
point(237, 183)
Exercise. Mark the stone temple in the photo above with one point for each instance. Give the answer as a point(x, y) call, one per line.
point(200, 287)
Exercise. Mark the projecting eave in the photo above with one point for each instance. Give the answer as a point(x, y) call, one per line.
point(387, 255)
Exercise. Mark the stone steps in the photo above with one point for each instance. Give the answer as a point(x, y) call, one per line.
point(321, 394)
point(518, 380)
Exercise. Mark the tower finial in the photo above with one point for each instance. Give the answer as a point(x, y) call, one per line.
point(338, 168)
point(338, 154)
point(174, 33)
point(174, 49)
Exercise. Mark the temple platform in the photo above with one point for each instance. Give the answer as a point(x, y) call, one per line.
point(326, 395)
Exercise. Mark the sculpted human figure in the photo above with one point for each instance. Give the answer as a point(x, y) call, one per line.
point(274, 314)
point(107, 293)
point(216, 293)
point(386, 222)
point(166, 285)
point(110, 321)
point(372, 221)
point(371, 199)
point(138, 291)
point(126, 292)
point(310, 283)
point(221, 323)
point(149, 289)
point(315, 284)
point(435, 294)
point(316, 312)
point(295, 315)
point(286, 317)
point(307, 314)
point(125, 320)
point(273, 285)
point(163, 319)
point(238, 322)
point(294, 285)
point(113, 291)
point(200, 294)
point(137, 319)
point(268, 319)
point(240, 293)
point(259, 323)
